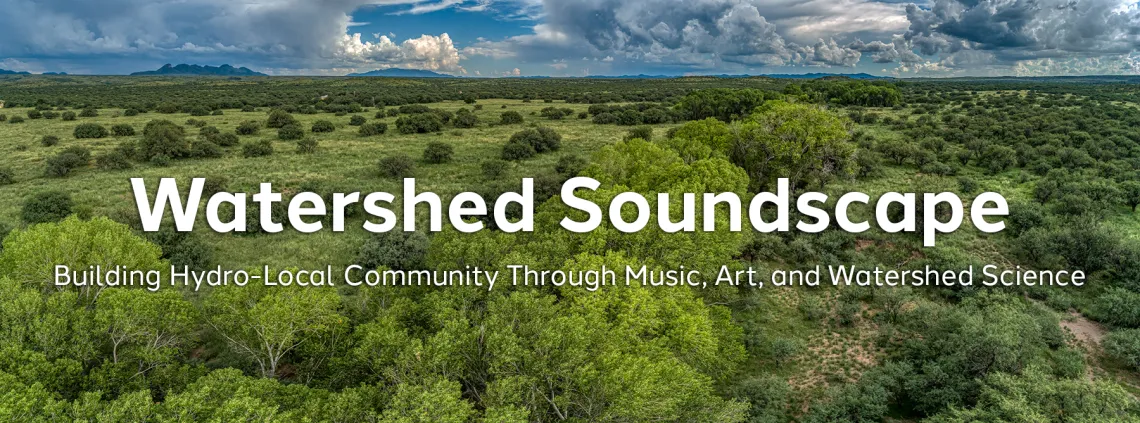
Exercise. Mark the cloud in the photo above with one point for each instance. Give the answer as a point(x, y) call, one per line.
point(690, 33)
point(1016, 30)
point(273, 33)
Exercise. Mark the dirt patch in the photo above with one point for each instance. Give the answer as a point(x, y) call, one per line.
point(1087, 332)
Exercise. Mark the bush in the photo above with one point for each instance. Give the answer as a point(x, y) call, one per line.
point(182, 249)
point(290, 133)
point(90, 130)
point(380, 113)
point(115, 159)
point(163, 138)
point(225, 140)
point(50, 114)
point(323, 126)
point(1125, 346)
point(494, 168)
point(129, 112)
point(438, 152)
point(208, 131)
point(373, 129)
point(357, 120)
point(465, 119)
point(89, 112)
point(248, 127)
point(279, 118)
point(397, 166)
point(49, 140)
point(257, 149)
point(7, 176)
point(515, 150)
point(67, 160)
point(16, 119)
point(510, 118)
point(50, 206)
point(204, 149)
point(967, 185)
point(421, 123)
point(605, 119)
point(68, 116)
point(123, 130)
point(307, 146)
point(570, 165)
point(540, 139)
point(248, 108)
point(395, 250)
point(643, 132)
point(35, 114)
point(3, 117)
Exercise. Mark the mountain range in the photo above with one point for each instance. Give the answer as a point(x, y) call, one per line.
point(198, 70)
point(8, 72)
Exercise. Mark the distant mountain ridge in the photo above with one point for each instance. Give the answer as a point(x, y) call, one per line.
point(402, 73)
point(198, 70)
point(8, 72)
point(774, 75)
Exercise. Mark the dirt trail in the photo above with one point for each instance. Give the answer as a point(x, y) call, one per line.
point(1088, 333)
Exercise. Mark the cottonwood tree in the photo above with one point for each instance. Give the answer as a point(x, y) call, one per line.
point(149, 328)
point(266, 323)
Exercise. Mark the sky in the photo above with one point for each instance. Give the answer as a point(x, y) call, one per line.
point(489, 38)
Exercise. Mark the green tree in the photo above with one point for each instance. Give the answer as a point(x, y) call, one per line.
point(266, 324)
point(806, 144)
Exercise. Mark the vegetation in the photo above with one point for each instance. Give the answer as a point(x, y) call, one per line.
point(1065, 155)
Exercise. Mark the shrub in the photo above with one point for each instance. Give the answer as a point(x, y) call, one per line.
point(16, 119)
point(643, 132)
point(7, 176)
point(68, 116)
point(323, 126)
point(225, 140)
point(218, 112)
point(279, 118)
point(163, 138)
point(541, 139)
point(199, 111)
point(421, 123)
point(248, 127)
point(50, 114)
point(494, 168)
point(208, 131)
point(115, 159)
point(1125, 346)
point(380, 113)
point(605, 119)
point(397, 166)
point(89, 112)
point(570, 165)
point(248, 108)
point(35, 114)
point(257, 149)
point(515, 150)
point(510, 118)
point(967, 185)
point(412, 109)
point(373, 129)
point(307, 146)
point(50, 206)
point(90, 130)
point(214, 184)
point(394, 250)
point(290, 132)
point(466, 120)
point(205, 149)
point(182, 249)
point(357, 120)
point(438, 152)
point(3, 117)
point(130, 112)
point(67, 160)
point(123, 130)
point(49, 140)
